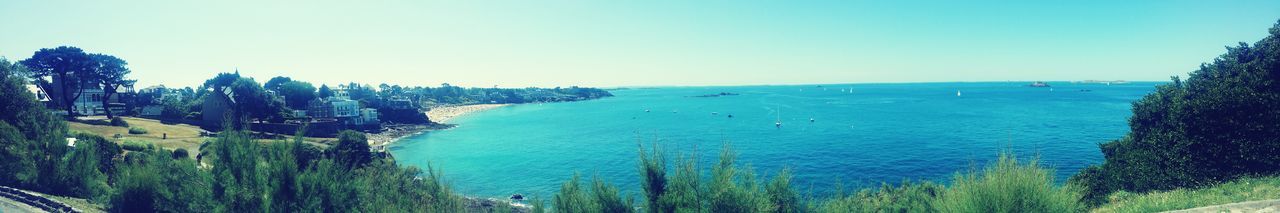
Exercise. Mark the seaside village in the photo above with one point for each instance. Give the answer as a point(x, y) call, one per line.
point(279, 108)
point(202, 112)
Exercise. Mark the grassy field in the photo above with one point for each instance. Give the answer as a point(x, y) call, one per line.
point(178, 135)
point(1249, 189)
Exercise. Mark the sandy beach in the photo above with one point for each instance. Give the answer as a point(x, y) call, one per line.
point(445, 113)
point(439, 115)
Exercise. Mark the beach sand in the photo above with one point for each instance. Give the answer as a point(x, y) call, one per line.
point(439, 115)
point(443, 114)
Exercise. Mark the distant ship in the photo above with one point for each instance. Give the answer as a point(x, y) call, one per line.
point(1038, 84)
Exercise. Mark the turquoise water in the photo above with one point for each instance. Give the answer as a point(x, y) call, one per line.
point(876, 133)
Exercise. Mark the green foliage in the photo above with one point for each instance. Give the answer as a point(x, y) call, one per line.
point(180, 153)
point(352, 149)
point(1241, 190)
point(109, 72)
point(153, 181)
point(137, 130)
point(601, 197)
point(729, 188)
point(297, 93)
point(33, 142)
point(71, 65)
point(324, 92)
point(1222, 123)
point(905, 197)
point(136, 145)
point(275, 83)
point(117, 121)
point(653, 177)
point(572, 198)
point(1009, 186)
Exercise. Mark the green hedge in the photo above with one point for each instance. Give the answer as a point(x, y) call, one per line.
point(135, 145)
point(137, 130)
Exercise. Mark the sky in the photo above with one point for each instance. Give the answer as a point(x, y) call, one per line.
point(484, 43)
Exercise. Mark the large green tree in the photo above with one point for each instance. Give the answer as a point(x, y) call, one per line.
point(109, 72)
point(1222, 123)
point(324, 92)
point(297, 93)
point(274, 83)
point(69, 66)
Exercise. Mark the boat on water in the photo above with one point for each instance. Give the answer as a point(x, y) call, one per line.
point(811, 120)
point(957, 93)
point(778, 123)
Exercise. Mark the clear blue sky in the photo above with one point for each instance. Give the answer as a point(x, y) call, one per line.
point(626, 43)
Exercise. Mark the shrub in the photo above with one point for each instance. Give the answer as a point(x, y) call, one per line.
point(135, 145)
point(905, 197)
point(1009, 186)
point(352, 149)
point(1222, 123)
point(180, 153)
point(137, 130)
point(117, 121)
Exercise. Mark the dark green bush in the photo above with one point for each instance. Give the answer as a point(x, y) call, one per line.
point(180, 153)
point(137, 130)
point(117, 121)
point(1221, 124)
point(136, 145)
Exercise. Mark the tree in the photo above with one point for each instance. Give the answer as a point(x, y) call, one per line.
point(324, 92)
point(274, 83)
point(352, 149)
point(297, 93)
point(68, 66)
point(251, 101)
point(1221, 124)
point(109, 72)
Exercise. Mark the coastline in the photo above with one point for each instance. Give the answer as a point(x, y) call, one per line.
point(438, 117)
point(443, 114)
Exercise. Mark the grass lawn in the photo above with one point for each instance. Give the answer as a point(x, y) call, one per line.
point(1248, 189)
point(179, 135)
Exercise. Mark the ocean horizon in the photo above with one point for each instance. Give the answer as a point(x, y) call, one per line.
point(858, 135)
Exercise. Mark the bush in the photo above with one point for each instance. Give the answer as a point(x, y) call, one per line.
point(1221, 124)
point(1009, 187)
point(117, 121)
point(905, 197)
point(137, 130)
point(180, 153)
point(137, 146)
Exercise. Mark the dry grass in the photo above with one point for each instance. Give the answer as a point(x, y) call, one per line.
point(179, 135)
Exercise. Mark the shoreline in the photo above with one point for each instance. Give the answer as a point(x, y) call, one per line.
point(443, 114)
point(437, 115)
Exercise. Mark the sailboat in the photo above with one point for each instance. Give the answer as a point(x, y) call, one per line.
point(779, 122)
point(957, 93)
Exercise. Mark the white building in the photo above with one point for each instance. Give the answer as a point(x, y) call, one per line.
point(345, 108)
point(368, 116)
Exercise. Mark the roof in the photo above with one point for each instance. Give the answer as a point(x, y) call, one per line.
point(40, 94)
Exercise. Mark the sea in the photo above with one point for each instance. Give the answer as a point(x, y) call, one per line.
point(849, 135)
